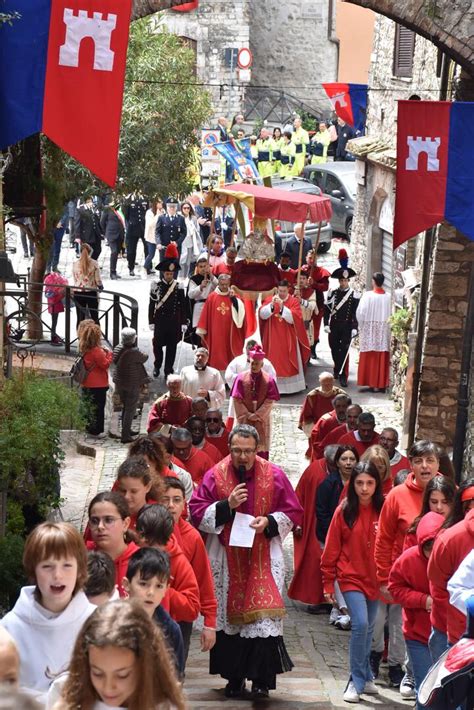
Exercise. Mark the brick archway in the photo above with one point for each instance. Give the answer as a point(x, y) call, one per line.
point(447, 24)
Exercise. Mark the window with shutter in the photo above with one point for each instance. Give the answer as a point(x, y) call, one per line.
point(403, 51)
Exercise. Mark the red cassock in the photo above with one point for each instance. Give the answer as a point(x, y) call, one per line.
point(221, 442)
point(216, 326)
point(197, 463)
point(307, 584)
point(331, 438)
point(360, 446)
point(212, 451)
point(321, 429)
point(280, 339)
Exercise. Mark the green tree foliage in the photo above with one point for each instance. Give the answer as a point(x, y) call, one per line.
point(163, 107)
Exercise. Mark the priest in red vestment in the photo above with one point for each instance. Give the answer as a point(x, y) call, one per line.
point(333, 437)
point(306, 585)
point(222, 324)
point(171, 409)
point(318, 401)
point(329, 421)
point(284, 339)
point(375, 308)
point(364, 436)
point(254, 392)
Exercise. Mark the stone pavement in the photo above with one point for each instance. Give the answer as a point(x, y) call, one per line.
point(319, 651)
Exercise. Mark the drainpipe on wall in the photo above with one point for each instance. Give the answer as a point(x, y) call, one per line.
point(462, 416)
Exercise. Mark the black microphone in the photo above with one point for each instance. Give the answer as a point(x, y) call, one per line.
point(242, 473)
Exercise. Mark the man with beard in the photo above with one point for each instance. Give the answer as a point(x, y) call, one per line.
point(216, 432)
point(222, 324)
point(364, 436)
point(248, 580)
point(166, 311)
point(389, 441)
point(202, 380)
point(193, 460)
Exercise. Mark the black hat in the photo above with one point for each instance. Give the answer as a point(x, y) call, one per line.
point(344, 271)
point(170, 260)
point(172, 201)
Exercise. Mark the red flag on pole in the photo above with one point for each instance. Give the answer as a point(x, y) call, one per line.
point(85, 74)
point(422, 167)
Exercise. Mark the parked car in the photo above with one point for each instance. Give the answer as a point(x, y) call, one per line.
point(284, 230)
point(338, 182)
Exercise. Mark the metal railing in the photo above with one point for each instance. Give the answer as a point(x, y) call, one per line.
point(116, 311)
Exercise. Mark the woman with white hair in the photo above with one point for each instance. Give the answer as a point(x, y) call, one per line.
point(129, 377)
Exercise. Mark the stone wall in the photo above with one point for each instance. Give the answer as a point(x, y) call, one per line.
point(386, 89)
point(214, 26)
point(446, 322)
point(468, 469)
point(294, 46)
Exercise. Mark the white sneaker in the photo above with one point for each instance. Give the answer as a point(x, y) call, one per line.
point(370, 688)
point(407, 688)
point(334, 615)
point(343, 622)
point(351, 695)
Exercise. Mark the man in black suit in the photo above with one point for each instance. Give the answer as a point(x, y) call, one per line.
point(293, 246)
point(134, 211)
point(87, 227)
point(170, 227)
point(113, 226)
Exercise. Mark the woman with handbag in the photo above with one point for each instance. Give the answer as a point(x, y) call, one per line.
point(129, 377)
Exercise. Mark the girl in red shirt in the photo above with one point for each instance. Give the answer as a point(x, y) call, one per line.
point(138, 485)
point(349, 557)
point(437, 498)
point(109, 521)
point(378, 456)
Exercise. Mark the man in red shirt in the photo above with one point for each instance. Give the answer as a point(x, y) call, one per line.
point(195, 462)
point(171, 409)
point(352, 415)
point(329, 420)
point(197, 428)
point(227, 266)
point(318, 401)
point(364, 436)
point(389, 441)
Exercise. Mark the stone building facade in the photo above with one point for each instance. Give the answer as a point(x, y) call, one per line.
point(213, 27)
point(293, 45)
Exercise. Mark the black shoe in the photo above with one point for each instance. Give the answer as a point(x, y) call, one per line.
point(135, 433)
point(259, 690)
point(335, 374)
point(129, 440)
point(319, 609)
point(375, 658)
point(132, 273)
point(114, 276)
point(395, 675)
point(235, 688)
point(343, 380)
point(156, 372)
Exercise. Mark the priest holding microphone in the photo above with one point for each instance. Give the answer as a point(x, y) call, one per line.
point(248, 492)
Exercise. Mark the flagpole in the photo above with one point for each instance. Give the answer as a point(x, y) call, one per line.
point(4, 163)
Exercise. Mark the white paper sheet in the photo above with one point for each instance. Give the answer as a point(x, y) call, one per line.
point(241, 534)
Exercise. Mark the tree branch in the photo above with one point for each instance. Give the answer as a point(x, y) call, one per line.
point(143, 8)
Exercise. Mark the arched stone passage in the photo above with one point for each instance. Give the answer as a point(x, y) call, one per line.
point(447, 24)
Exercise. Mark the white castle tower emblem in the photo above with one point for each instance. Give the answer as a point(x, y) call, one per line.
point(419, 145)
point(97, 28)
point(338, 100)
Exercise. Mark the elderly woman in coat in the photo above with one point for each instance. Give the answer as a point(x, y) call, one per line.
point(129, 376)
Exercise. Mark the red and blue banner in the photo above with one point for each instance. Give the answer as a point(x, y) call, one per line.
point(237, 153)
point(349, 101)
point(62, 69)
point(435, 167)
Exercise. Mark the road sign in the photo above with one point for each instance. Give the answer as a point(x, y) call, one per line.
point(209, 137)
point(244, 58)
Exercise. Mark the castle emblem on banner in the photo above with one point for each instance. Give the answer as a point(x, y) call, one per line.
point(97, 28)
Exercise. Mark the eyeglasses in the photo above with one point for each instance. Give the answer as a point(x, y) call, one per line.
point(107, 521)
point(212, 419)
point(385, 438)
point(242, 452)
point(185, 207)
point(176, 500)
